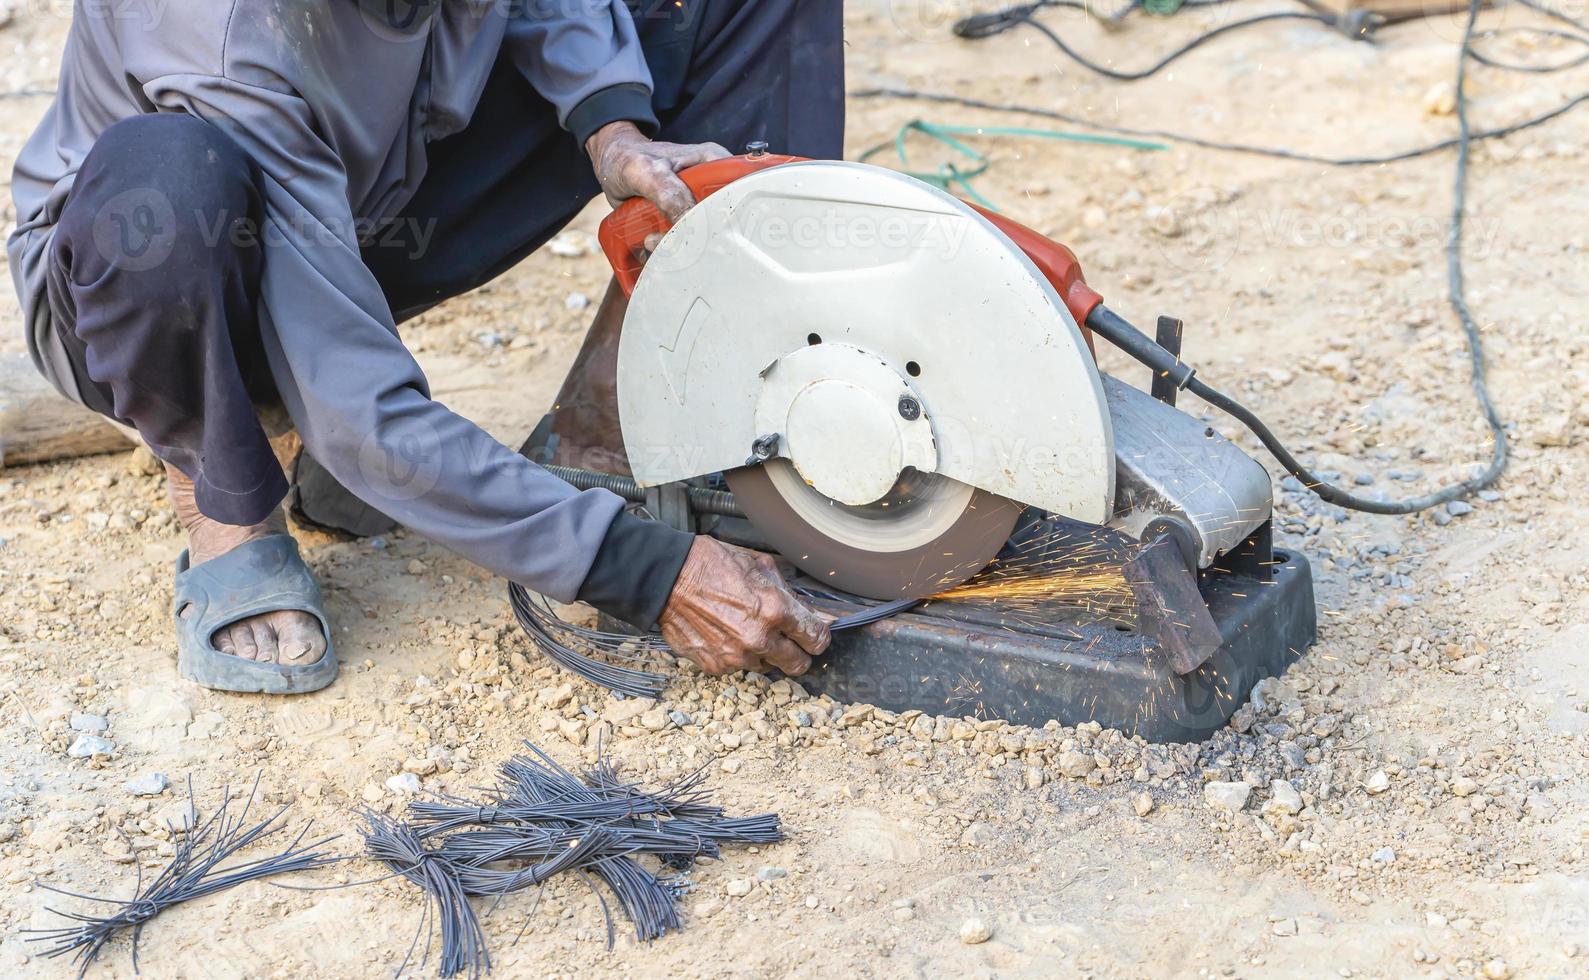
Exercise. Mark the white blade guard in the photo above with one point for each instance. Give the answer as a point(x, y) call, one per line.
point(858, 322)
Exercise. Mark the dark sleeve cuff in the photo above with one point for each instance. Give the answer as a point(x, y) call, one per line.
point(629, 102)
point(635, 568)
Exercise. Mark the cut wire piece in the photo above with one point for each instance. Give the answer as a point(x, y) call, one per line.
point(194, 871)
point(539, 820)
point(615, 661)
point(618, 661)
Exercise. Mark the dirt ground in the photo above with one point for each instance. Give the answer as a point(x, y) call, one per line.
point(1435, 735)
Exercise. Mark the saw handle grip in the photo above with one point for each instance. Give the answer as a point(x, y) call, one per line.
point(623, 233)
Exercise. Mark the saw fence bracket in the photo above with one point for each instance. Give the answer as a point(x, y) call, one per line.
point(1167, 336)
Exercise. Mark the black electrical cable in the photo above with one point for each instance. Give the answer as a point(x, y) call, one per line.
point(1490, 62)
point(1555, 14)
point(1457, 296)
point(1138, 345)
point(1280, 153)
point(979, 26)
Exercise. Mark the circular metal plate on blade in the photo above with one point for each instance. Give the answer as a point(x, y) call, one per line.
point(928, 534)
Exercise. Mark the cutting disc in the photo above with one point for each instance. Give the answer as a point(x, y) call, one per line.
point(928, 534)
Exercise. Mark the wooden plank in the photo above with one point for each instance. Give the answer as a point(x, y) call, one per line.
point(38, 424)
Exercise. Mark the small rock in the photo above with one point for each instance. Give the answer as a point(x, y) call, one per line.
point(140, 462)
point(572, 729)
point(1457, 508)
point(1283, 799)
point(1440, 99)
point(556, 697)
point(576, 302)
point(1384, 855)
point(770, 873)
point(1553, 430)
point(979, 834)
point(87, 746)
point(680, 719)
point(1377, 783)
point(420, 767)
point(904, 913)
point(1284, 927)
point(854, 715)
point(1035, 777)
point(89, 723)
point(405, 783)
point(1227, 796)
point(177, 816)
point(739, 887)
point(622, 712)
point(1242, 718)
point(568, 245)
point(1164, 220)
point(1142, 803)
point(1497, 970)
point(149, 784)
point(1463, 786)
point(1075, 765)
point(975, 930)
point(654, 720)
point(415, 567)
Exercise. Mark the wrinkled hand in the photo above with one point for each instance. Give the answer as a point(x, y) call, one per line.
point(629, 165)
point(731, 610)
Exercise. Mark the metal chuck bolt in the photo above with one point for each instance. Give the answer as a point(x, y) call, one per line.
point(756, 149)
point(763, 449)
point(909, 408)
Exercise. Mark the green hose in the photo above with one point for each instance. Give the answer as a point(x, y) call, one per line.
point(949, 175)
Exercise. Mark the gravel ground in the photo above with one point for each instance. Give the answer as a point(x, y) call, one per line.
point(1409, 800)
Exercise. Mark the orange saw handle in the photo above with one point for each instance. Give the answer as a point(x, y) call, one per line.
point(623, 234)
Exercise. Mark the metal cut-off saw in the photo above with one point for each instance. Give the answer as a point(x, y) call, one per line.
point(891, 388)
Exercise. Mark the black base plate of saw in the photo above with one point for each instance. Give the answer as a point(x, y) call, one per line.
point(975, 657)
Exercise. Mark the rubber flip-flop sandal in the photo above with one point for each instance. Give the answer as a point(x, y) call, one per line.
point(263, 575)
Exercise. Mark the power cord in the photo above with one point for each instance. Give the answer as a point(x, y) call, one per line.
point(1358, 25)
point(1141, 347)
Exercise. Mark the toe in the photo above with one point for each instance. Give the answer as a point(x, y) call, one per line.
point(301, 640)
point(243, 637)
point(265, 639)
point(222, 641)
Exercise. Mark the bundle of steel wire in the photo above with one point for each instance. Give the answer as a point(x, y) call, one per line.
point(619, 661)
point(539, 820)
point(194, 871)
point(616, 661)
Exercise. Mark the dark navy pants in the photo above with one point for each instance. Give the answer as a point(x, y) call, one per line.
point(174, 350)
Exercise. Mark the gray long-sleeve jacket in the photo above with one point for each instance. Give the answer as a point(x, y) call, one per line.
point(336, 107)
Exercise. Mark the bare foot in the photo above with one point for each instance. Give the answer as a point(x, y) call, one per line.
point(289, 637)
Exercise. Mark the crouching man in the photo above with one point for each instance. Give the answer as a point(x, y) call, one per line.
point(238, 208)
